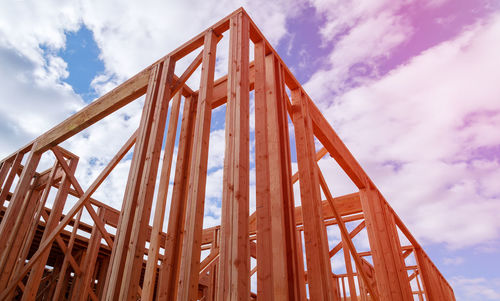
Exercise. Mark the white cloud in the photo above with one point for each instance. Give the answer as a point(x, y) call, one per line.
point(362, 33)
point(456, 260)
point(146, 32)
point(27, 25)
point(426, 135)
point(476, 288)
point(341, 15)
point(216, 148)
point(32, 98)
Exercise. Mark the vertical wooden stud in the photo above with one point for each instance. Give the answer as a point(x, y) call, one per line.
point(83, 281)
point(349, 271)
point(59, 287)
point(319, 273)
point(392, 278)
point(130, 289)
point(170, 266)
point(279, 268)
point(9, 176)
point(53, 220)
point(191, 250)
point(11, 221)
point(234, 267)
point(161, 199)
point(429, 283)
point(136, 209)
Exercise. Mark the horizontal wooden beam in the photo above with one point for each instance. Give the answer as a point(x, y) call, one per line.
point(219, 96)
point(196, 42)
point(22, 150)
point(102, 107)
point(112, 101)
point(346, 205)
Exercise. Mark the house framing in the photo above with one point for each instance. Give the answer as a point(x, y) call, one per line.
point(118, 255)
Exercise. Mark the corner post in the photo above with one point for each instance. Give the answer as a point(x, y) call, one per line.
point(234, 267)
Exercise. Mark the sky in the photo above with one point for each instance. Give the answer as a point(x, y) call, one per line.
point(412, 87)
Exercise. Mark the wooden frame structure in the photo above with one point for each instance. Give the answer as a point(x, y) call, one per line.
point(48, 255)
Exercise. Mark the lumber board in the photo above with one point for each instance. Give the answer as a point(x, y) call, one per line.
point(198, 174)
point(234, 260)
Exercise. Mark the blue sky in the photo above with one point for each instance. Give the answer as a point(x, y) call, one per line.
point(81, 53)
point(410, 86)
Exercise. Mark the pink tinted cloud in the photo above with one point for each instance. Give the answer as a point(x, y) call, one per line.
point(426, 133)
point(477, 288)
point(370, 38)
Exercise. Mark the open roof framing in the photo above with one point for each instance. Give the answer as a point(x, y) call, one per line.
point(43, 253)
